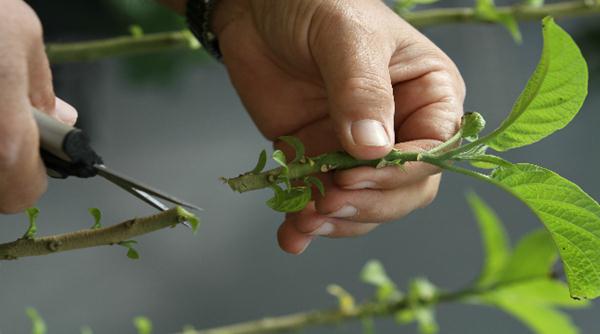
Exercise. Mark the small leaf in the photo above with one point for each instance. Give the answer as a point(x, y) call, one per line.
point(32, 215)
point(486, 9)
point(38, 326)
point(552, 97)
point(494, 239)
point(296, 144)
point(260, 164)
point(534, 256)
point(472, 124)
point(86, 330)
point(131, 252)
point(571, 216)
point(405, 316)
point(316, 182)
point(194, 223)
point(279, 158)
point(143, 325)
point(291, 200)
point(95, 212)
point(421, 289)
point(425, 316)
point(345, 299)
point(136, 31)
point(373, 273)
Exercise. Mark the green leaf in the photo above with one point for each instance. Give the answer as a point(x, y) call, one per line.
point(534, 256)
point(86, 330)
point(260, 164)
point(32, 215)
point(373, 273)
point(472, 124)
point(494, 238)
point(136, 31)
point(316, 182)
point(296, 144)
point(95, 212)
point(194, 222)
point(38, 326)
point(571, 216)
point(131, 252)
point(143, 325)
point(345, 300)
point(279, 158)
point(421, 289)
point(552, 97)
point(532, 302)
point(486, 9)
point(425, 316)
point(290, 200)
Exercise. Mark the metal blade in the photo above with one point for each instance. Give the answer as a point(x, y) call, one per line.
point(140, 190)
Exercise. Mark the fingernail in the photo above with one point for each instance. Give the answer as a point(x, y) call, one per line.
point(324, 229)
point(305, 246)
point(344, 212)
point(362, 185)
point(369, 132)
point(65, 112)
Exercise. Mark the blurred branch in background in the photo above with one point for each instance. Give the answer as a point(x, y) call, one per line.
point(138, 43)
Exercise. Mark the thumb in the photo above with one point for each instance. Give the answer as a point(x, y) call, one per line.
point(355, 70)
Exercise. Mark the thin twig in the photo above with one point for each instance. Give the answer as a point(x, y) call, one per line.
point(93, 237)
point(128, 45)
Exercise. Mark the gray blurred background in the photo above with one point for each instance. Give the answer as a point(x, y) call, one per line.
point(174, 121)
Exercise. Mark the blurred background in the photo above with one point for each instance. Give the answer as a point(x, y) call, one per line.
point(173, 120)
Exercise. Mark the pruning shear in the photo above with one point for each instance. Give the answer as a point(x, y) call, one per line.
point(66, 151)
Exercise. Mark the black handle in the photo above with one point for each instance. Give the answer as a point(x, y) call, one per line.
point(65, 150)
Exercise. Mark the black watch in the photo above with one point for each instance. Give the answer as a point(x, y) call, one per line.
point(199, 15)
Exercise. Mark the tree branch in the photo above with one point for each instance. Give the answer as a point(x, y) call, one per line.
point(129, 45)
point(93, 237)
point(297, 321)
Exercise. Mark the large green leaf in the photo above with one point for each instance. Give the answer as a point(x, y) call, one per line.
point(533, 257)
point(571, 216)
point(552, 97)
point(494, 239)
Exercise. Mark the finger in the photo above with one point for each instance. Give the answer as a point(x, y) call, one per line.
point(369, 205)
point(309, 222)
point(291, 240)
point(389, 177)
point(22, 176)
point(40, 89)
point(65, 112)
point(316, 137)
point(353, 61)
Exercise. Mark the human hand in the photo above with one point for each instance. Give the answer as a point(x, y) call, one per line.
point(347, 74)
point(25, 81)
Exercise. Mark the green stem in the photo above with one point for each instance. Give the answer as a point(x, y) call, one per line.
point(93, 237)
point(127, 45)
point(120, 46)
point(307, 166)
